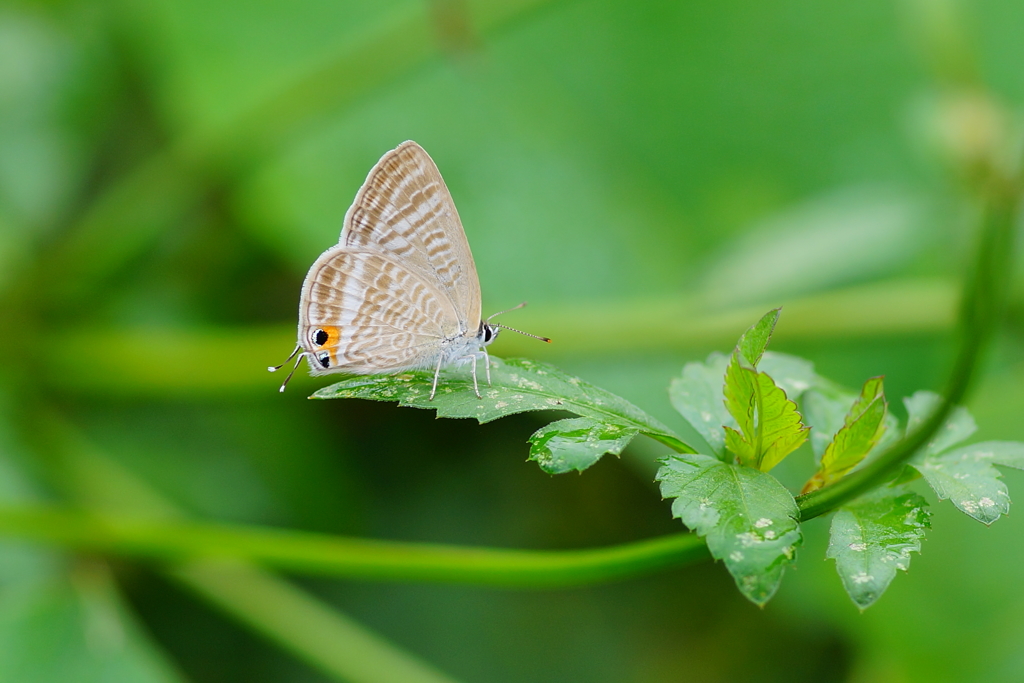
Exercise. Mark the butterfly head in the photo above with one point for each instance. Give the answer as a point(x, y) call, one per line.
point(488, 332)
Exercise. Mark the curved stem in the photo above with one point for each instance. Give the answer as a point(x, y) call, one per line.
point(338, 556)
point(983, 301)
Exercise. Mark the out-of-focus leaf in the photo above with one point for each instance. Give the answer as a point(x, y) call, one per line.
point(862, 429)
point(873, 536)
point(843, 236)
point(55, 631)
point(966, 476)
point(517, 385)
point(755, 340)
point(748, 518)
point(769, 424)
point(576, 443)
point(959, 425)
point(698, 396)
point(795, 375)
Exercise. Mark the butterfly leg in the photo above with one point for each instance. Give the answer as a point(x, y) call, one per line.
point(487, 360)
point(437, 373)
point(476, 388)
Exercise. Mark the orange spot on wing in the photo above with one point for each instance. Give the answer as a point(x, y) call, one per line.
point(333, 335)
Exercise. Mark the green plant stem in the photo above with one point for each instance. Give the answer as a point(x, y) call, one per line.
point(983, 301)
point(118, 361)
point(316, 633)
point(321, 554)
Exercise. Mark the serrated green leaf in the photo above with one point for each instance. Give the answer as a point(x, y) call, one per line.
point(795, 375)
point(576, 444)
point(517, 385)
point(698, 395)
point(741, 402)
point(769, 424)
point(747, 517)
point(782, 432)
point(959, 425)
point(755, 340)
point(873, 536)
point(861, 431)
point(966, 477)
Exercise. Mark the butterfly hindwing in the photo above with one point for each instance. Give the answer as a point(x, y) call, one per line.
point(370, 313)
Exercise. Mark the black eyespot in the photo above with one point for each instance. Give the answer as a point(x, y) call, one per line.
point(324, 359)
point(320, 337)
point(487, 334)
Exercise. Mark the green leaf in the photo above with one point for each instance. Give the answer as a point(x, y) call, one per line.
point(873, 536)
point(576, 444)
point(741, 402)
point(747, 517)
point(862, 429)
point(825, 408)
point(966, 477)
point(517, 385)
point(959, 425)
point(769, 424)
point(755, 340)
point(699, 397)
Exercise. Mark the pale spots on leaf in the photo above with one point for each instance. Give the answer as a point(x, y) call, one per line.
point(706, 416)
point(500, 404)
point(858, 547)
point(789, 551)
point(748, 539)
point(769, 535)
point(552, 401)
point(762, 523)
point(861, 577)
point(736, 556)
point(986, 502)
point(969, 506)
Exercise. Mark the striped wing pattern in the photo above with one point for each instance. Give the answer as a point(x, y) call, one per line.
point(379, 315)
point(405, 210)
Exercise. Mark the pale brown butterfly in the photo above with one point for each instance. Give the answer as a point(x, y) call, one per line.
point(400, 290)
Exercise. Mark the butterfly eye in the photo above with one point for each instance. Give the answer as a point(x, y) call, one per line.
point(324, 359)
point(320, 338)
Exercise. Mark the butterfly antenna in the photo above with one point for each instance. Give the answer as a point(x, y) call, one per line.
point(527, 334)
point(514, 308)
point(512, 329)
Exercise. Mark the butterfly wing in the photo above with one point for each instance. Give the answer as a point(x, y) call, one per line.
point(405, 210)
point(369, 313)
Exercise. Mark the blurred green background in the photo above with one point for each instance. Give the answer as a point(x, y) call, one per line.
point(651, 177)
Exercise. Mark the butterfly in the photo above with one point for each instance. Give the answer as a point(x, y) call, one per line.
point(400, 290)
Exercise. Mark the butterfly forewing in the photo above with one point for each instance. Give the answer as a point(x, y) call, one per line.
point(371, 314)
point(405, 210)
